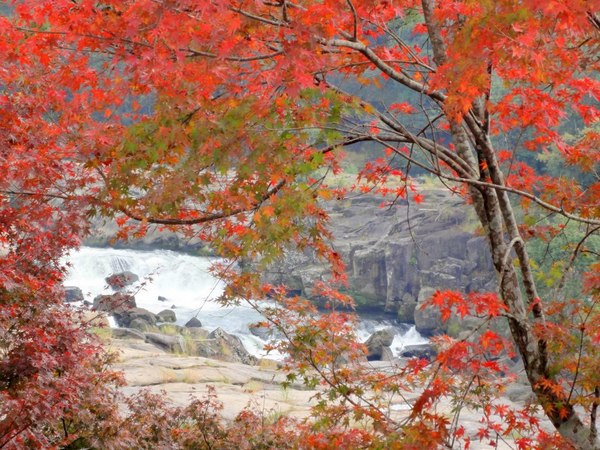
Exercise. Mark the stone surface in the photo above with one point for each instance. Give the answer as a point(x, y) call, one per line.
point(183, 378)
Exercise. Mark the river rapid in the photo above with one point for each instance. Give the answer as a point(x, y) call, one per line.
point(189, 288)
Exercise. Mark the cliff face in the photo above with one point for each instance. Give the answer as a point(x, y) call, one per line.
point(398, 256)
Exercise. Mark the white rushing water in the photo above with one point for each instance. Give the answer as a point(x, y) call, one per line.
point(187, 285)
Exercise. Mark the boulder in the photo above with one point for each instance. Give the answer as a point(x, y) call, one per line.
point(378, 343)
point(142, 325)
point(261, 330)
point(125, 318)
point(193, 323)
point(114, 303)
point(224, 346)
point(167, 315)
point(73, 294)
point(118, 281)
point(173, 344)
point(162, 299)
point(422, 351)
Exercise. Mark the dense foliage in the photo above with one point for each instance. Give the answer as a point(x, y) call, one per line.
point(223, 118)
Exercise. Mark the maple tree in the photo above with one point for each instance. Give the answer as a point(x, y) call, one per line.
point(220, 118)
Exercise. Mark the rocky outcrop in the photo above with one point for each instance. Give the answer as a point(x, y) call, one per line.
point(396, 254)
point(223, 346)
point(105, 232)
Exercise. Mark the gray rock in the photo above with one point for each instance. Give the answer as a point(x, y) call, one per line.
point(378, 343)
point(193, 323)
point(142, 325)
point(428, 319)
point(174, 344)
point(222, 345)
point(127, 317)
point(73, 294)
point(162, 299)
point(167, 315)
point(261, 331)
point(425, 351)
point(118, 281)
point(114, 303)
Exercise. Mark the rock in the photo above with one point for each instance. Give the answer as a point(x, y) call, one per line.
point(162, 299)
point(127, 333)
point(73, 294)
point(224, 346)
point(171, 328)
point(392, 253)
point(173, 307)
point(142, 325)
point(193, 323)
point(406, 312)
point(428, 320)
point(261, 331)
point(386, 354)
point(173, 344)
point(120, 280)
point(114, 302)
point(167, 315)
point(125, 318)
point(423, 351)
point(200, 334)
point(377, 344)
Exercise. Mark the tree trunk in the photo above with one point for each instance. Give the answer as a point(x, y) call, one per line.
point(496, 214)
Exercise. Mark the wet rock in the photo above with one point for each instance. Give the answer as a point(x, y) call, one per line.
point(424, 351)
point(119, 281)
point(193, 323)
point(73, 294)
point(378, 345)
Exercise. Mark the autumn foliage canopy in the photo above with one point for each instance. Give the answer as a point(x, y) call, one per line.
point(226, 119)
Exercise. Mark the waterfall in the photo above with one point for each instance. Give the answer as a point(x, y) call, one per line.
point(185, 281)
